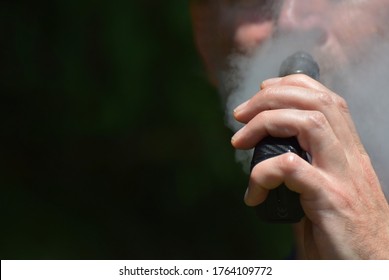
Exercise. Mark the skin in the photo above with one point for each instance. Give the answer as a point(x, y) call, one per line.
point(347, 215)
point(344, 26)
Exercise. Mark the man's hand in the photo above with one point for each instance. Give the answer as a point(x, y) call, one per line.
point(347, 215)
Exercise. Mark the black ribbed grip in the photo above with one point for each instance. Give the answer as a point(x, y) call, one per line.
point(281, 205)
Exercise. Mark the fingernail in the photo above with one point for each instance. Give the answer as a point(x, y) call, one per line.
point(270, 82)
point(247, 198)
point(233, 139)
point(246, 194)
point(238, 134)
point(241, 106)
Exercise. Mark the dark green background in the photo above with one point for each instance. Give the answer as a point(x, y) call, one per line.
point(113, 143)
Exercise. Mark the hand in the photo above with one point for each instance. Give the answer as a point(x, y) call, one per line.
point(347, 215)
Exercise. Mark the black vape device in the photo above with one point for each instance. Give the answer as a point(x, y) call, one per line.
point(283, 205)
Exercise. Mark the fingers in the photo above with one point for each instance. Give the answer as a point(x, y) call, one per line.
point(303, 93)
point(297, 106)
point(298, 80)
point(288, 96)
point(311, 128)
point(288, 168)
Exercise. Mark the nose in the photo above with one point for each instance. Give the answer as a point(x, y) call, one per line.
point(301, 15)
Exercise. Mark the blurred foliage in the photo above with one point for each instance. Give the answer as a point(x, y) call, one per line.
point(113, 144)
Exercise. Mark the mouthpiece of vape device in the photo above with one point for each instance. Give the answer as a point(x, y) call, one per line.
point(281, 204)
point(300, 63)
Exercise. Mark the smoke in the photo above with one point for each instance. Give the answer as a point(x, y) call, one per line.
point(365, 86)
point(363, 81)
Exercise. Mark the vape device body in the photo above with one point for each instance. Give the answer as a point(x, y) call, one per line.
point(283, 205)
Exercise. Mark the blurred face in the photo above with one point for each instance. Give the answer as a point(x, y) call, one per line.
point(338, 29)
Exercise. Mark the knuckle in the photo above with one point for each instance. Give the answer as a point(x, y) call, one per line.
point(341, 103)
point(290, 162)
point(325, 99)
point(270, 91)
point(267, 90)
point(315, 120)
